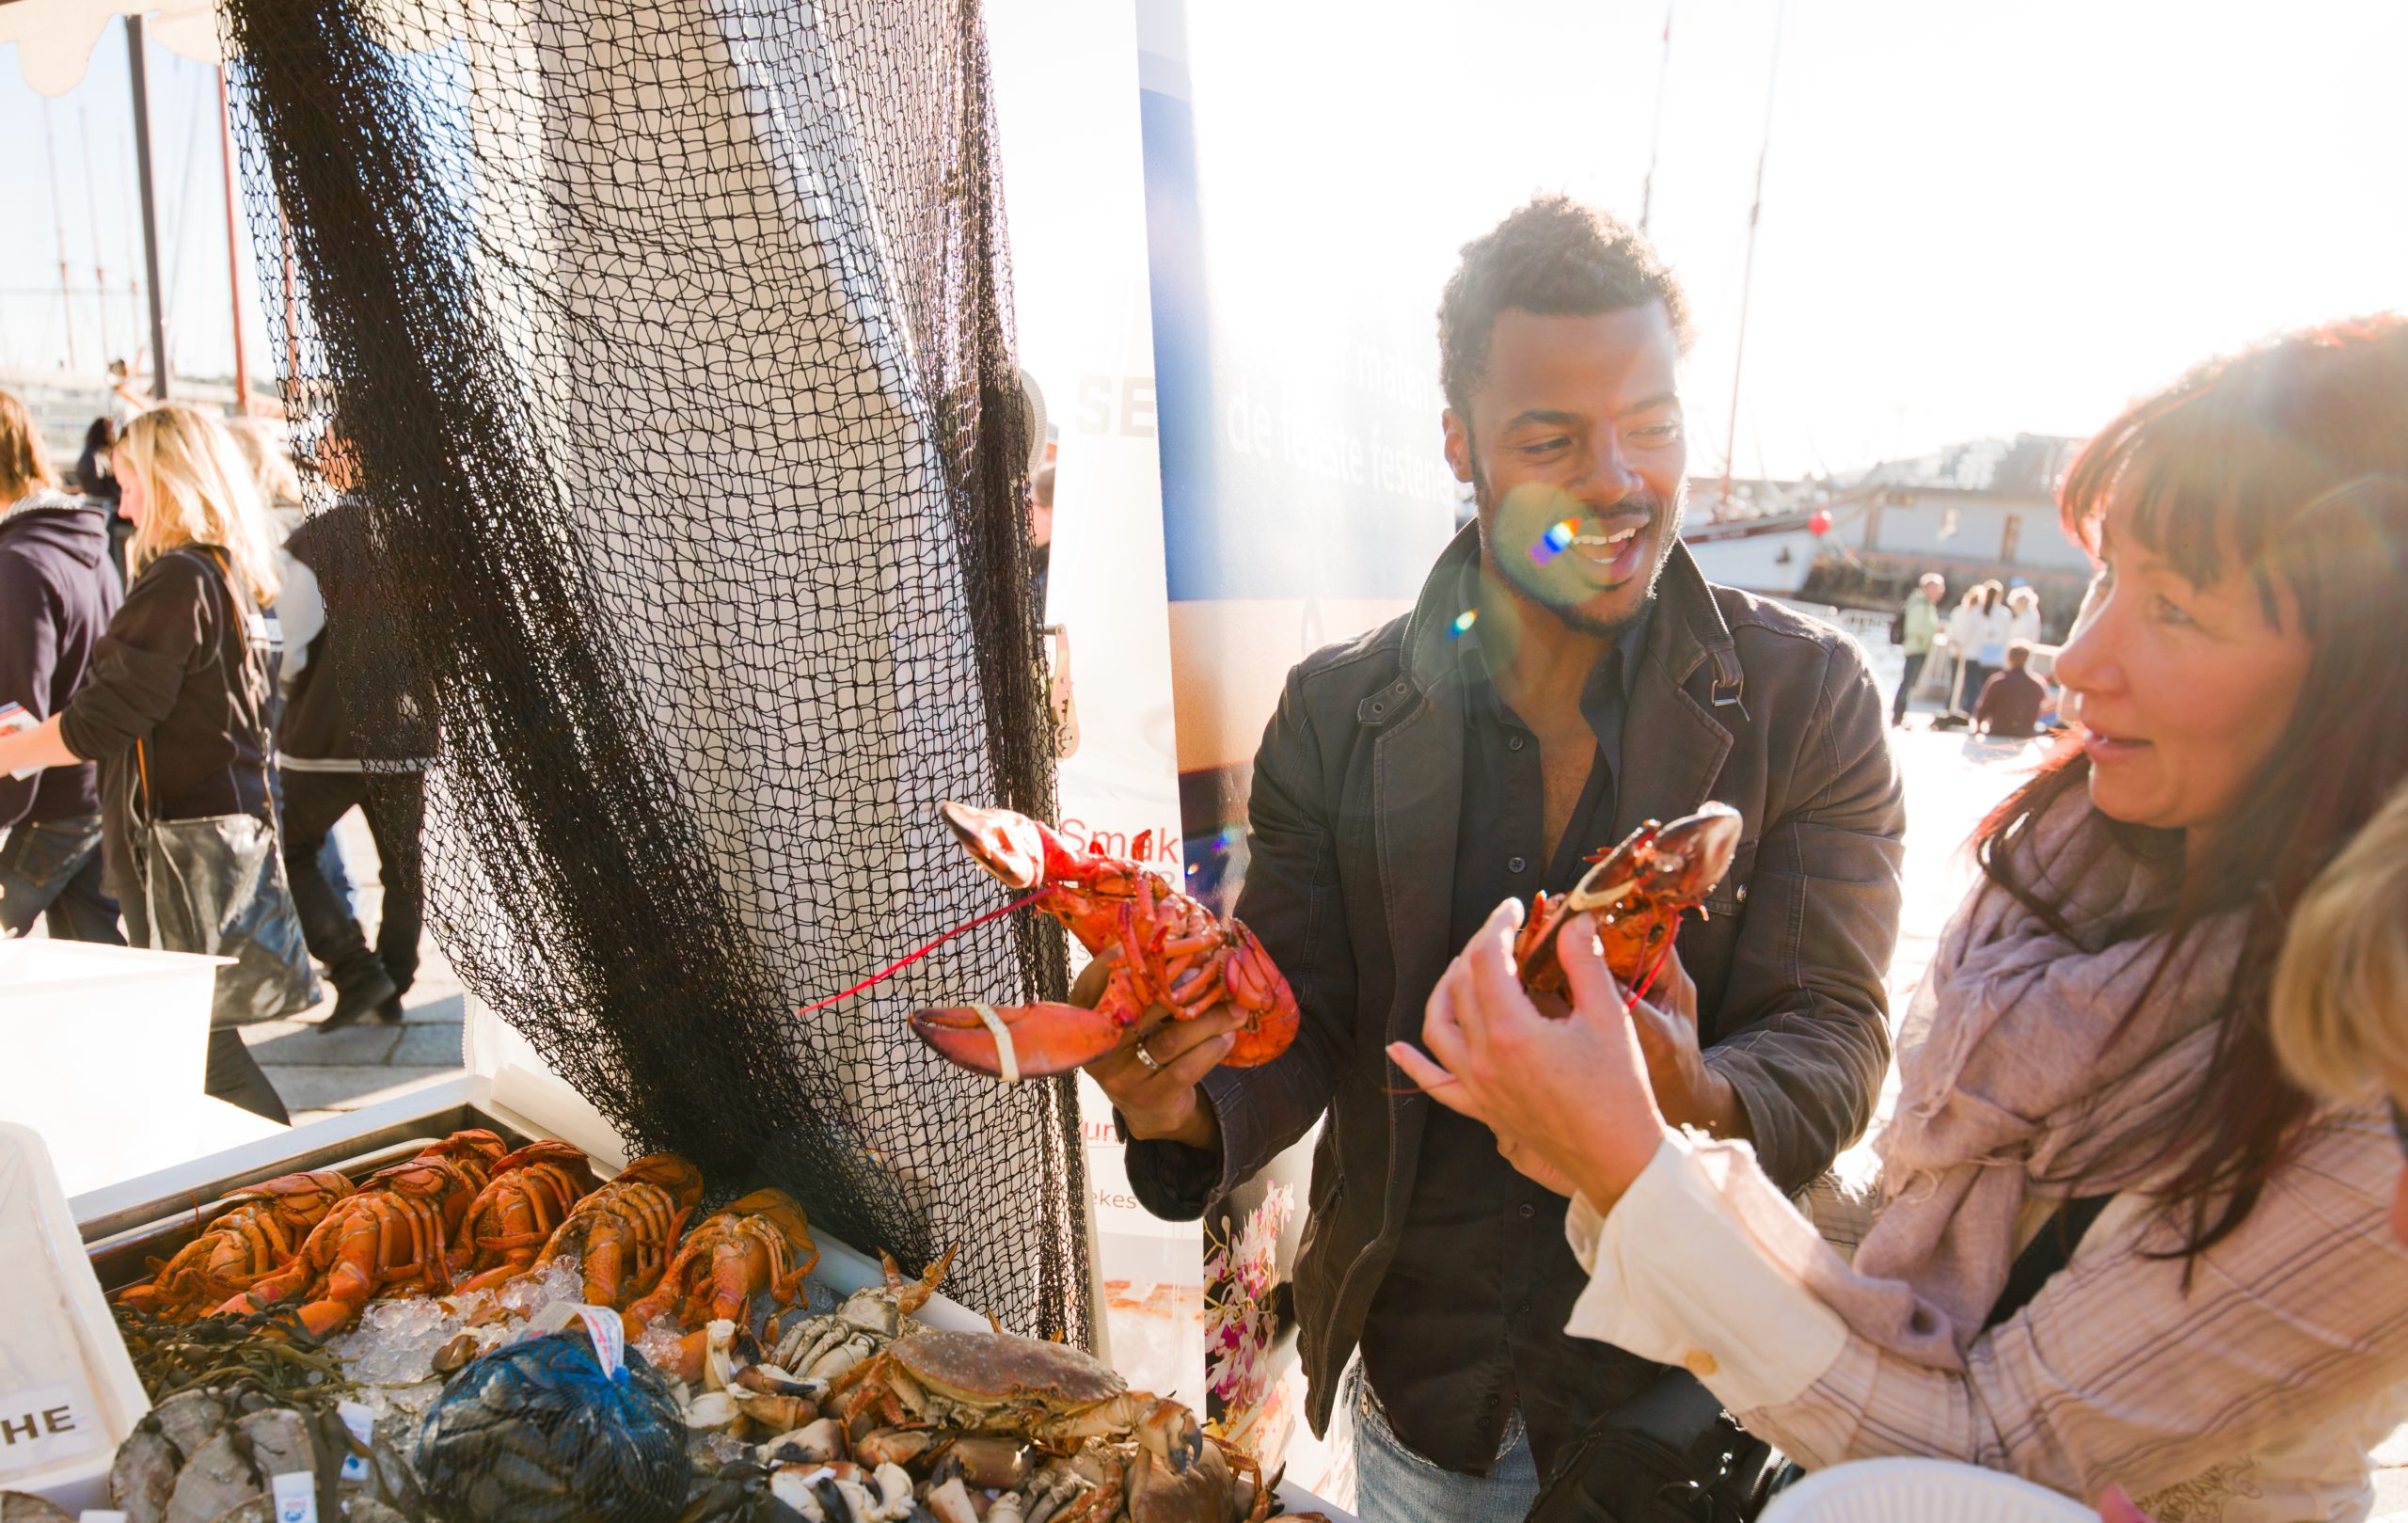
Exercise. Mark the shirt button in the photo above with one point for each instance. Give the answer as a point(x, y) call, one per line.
point(1514, 744)
point(1699, 1363)
point(1514, 865)
point(1488, 1403)
point(1529, 1211)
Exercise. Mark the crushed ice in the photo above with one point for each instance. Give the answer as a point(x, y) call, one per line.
point(395, 1342)
point(658, 1345)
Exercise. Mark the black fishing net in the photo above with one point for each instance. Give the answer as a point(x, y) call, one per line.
point(672, 344)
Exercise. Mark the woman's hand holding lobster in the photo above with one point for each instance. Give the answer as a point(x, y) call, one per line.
point(1571, 1100)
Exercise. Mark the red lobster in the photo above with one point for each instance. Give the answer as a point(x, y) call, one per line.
point(1163, 947)
point(1638, 892)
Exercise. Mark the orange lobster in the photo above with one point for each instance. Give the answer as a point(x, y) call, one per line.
point(621, 1235)
point(268, 1224)
point(761, 1243)
point(388, 1239)
point(1163, 947)
point(1638, 892)
point(530, 1194)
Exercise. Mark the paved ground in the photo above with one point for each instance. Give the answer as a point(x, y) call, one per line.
point(319, 1072)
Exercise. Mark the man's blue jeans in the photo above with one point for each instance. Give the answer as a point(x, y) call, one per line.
point(51, 869)
point(1394, 1484)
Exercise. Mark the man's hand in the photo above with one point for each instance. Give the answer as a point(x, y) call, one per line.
point(1572, 1090)
point(1160, 1100)
point(1688, 1093)
point(1531, 1166)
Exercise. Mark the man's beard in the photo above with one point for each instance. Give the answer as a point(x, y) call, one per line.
point(1525, 576)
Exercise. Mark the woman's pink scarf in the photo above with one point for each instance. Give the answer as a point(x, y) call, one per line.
point(2026, 1073)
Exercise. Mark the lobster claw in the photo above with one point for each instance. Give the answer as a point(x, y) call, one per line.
point(1017, 1041)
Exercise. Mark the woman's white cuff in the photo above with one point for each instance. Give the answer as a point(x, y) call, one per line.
point(1674, 1278)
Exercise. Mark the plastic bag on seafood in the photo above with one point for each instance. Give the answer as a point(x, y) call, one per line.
point(537, 1432)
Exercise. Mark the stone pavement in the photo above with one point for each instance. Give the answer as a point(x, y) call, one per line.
point(319, 1072)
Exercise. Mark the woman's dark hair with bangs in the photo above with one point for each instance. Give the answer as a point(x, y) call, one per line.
point(2289, 464)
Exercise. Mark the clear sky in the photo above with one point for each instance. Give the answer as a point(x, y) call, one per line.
point(1978, 218)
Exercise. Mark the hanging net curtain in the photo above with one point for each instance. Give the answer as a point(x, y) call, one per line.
point(672, 343)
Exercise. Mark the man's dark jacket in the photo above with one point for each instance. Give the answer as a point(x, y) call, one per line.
point(57, 593)
point(1356, 791)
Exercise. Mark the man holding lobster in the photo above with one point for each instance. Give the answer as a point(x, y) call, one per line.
point(1566, 674)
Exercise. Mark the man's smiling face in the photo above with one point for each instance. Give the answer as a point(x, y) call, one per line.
point(1575, 454)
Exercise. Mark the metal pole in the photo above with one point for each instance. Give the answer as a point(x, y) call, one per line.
point(137, 79)
point(1747, 277)
point(233, 256)
point(1656, 136)
point(58, 222)
point(92, 214)
point(294, 401)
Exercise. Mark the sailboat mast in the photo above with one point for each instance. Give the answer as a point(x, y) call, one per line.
point(58, 223)
point(1748, 274)
point(92, 215)
point(1655, 134)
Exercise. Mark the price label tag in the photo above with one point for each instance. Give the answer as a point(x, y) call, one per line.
point(296, 1496)
point(44, 1425)
point(610, 1338)
point(362, 1423)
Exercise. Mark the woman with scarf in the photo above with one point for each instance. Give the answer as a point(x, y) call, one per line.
point(2115, 1245)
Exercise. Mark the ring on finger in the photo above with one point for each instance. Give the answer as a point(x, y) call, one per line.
point(1152, 1064)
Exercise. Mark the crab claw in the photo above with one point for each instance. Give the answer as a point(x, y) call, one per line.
point(1171, 1432)
point(1008, 845)
point(1693, 852)
point(1017, 1041)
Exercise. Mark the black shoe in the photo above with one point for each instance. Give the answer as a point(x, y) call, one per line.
point(390, 1011)
point(366, 994)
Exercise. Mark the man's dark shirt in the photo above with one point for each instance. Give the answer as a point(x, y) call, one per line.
point(1468, 1323)
point(2009, 706)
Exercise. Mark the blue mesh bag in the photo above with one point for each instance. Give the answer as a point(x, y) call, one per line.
point(536, 1433)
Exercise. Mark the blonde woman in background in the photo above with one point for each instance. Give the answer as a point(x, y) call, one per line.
point(182, 673)
point(2339, 1019)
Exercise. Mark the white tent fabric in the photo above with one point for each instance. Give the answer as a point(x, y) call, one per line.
point(55, 38)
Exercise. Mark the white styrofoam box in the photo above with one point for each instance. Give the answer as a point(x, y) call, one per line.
point(68, 1392)
point(100, 1040)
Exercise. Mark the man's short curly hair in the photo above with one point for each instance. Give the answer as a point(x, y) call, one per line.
point(1555, 258)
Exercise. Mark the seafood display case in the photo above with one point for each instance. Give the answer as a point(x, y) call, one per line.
point(128, 1230)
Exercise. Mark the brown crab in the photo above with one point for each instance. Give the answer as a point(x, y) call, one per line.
point(1057, 1395)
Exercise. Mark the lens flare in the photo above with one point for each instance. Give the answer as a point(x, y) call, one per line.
point(1464, 622)
point(1556, 540)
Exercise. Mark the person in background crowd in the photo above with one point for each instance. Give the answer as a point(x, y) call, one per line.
point(130, 404)
point(1964, 634)
point(2023, 616)
point(354, 736)
point(93, 476)
point(1040, 524)
point(264, 450)
point(2009, 707)
point(1923, 621)
point(2118, 1245)
point(56, 596)
point(1546, 694)
point(182, 673)
point(96, 479)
